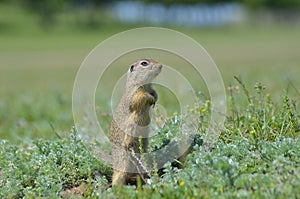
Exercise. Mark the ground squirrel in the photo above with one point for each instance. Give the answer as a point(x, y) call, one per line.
point(129, 128)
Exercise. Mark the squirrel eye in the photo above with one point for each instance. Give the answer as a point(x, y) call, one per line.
point(144, 63)
point(131, 68)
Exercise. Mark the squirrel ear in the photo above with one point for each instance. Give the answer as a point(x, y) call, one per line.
point(131, 68)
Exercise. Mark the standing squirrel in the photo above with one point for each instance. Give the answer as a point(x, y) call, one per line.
point(129, 128)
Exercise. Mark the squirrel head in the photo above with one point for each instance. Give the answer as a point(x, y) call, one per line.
point(143, 72)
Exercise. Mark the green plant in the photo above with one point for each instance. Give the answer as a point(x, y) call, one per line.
point(45, 168)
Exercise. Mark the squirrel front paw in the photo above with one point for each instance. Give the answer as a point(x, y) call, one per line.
point(153, 98)
point(153, 93)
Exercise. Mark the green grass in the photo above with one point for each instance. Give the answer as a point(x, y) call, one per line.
point(235, 170)
point(257, 155)
point(42, 65)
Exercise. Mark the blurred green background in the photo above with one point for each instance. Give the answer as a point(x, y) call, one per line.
point(42, 44)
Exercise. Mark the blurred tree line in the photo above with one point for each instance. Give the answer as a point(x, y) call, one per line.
point(47, 9)
point(54, 5)
point(272, 4)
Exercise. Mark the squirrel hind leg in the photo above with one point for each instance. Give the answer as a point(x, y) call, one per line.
point(119, 178)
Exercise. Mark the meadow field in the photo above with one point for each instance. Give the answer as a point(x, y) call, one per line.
point(257, 155)
point(39, 67)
